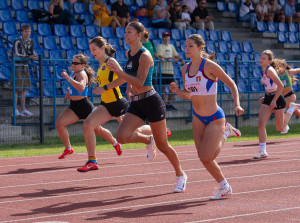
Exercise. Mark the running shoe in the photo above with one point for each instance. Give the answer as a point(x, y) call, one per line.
point(26, 113)
point(234, 132)
point(261, 155)
point(118, 149)
point(180, 183)
point(169, 133)
point(66, 152)
point(221, 193)
point(151, 151)
point(294, 105)
point(88, 166)
point(285, 130)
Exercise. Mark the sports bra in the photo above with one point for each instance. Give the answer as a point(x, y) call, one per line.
point(200, 84)
point(75, 92)
point(268, 82)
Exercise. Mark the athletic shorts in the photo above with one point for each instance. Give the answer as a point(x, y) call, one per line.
point(208, 119)
point(22, 76)
point(166, 79)
point(82, 108)
point(280, 101)
point(152, 108)
point(289, 94)
point(117, 108)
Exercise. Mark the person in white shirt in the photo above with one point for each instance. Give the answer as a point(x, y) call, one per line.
point(247, 14)
point(262, 12)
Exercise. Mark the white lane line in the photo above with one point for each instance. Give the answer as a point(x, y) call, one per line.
point(143, 187)
point(151, 204)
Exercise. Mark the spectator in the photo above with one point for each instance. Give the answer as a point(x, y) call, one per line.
point(290, 13)
point(186, 16)
point(201, 19)
point(61, 15)
point(23, 48)
point(167, 51)
point(275, 9)
point(176, 19)
point(121, 12)
point(262, 13)
point(247, 14)
point(161, 15)
point(192, 4)
point(102, 18)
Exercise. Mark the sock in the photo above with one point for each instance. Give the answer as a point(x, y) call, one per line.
point(262, 147)
point(93, 159)
point(69, 148)
point(224, 184)
point(291, 110)
point(115, 143)
point(226, 134)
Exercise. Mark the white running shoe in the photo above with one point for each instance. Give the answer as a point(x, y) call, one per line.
point(233, 131)
point(261, 155)
point(26, 113)
point(294, 105)
point(221, 193)
point(285, 130)
point(17, 113)
point(151, 151)
point(180, 183)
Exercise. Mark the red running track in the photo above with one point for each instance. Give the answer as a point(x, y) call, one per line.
point(131, 189)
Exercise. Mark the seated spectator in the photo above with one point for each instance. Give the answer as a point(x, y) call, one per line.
point(201, 19)
point(61, 15)
point(247, 14)
point(102, 18)
point(275, 9)
point(161, 15)
point(186, 16)
point(121, 12)
point(290, 13)
point(192, 4)
point(176, 19)
point(262, 13)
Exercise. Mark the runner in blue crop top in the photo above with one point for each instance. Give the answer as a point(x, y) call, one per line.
point(146, 103)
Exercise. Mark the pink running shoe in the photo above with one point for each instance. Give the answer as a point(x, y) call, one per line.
point(66, 152)
point(118, 149)
point(88, 166)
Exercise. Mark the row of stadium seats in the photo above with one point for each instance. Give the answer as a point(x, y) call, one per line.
point(277, 27)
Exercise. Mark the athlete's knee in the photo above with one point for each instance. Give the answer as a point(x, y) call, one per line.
point(206, 159)
point(87, 127)
point(121, 137)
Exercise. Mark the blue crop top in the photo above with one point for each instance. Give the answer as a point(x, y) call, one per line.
point(132, 66)
point(75, 92)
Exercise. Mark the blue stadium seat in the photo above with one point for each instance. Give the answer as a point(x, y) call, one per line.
point(90, 8)
point(226, 35)
point(88, 54)
point(47, 75)
point(221, 6)
point(132, 10)
point(246, 58)
point(36, 42)
point(56, 54)
point(71, 54)
point(44, 29)
point(3, 5)
point(247, 47)
point(22, 16)
point(40, 52)
point(256, 86)
point(235, 47)
point(160, 32)
point(244, 71)
point(256, 71)
point(202, 33)
point(214, 35)
point(157, 42)
point(114, 42)
point(106, 32)
point(281, 37)
point(2, 44)
point(17, 5)
point(293, 27)
point(76, 31)
point(173, 42)
point(188, 32)
point(176, 34)
point(5, 16)
point(49, 89)
point(232, 7)
point(292, 37)
point(140, 3)
point(5, 72)
point(143, 20)
point(79, 8)
point(223, 47)
point(281, 2)
point(151, 31)
point(49, 43)
point(67, 6)
point(261, 26)
point(64, 85)
point(46, 6)
point(91, 31)
point(125, 45)
point(60, 30)
point(282, 27)
point(10, 28)
point(256, 56)
point(220, 57)
point(3, 55)
point(33, 4)
point(182, 54)
point(182, 45)
point(66, 43)
point(87, 19)
point(128, 2)
point(120, 32)
point(272, 27)
point(230, 70)
point(120, 55)
point(226, 89)
point(242, 85)
point(58, 70)
point(82, 43)
point(232, 56)
point(211, 46)
point(34, 90)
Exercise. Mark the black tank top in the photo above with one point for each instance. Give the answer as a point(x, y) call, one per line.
point(57, 9)
point(132, 64)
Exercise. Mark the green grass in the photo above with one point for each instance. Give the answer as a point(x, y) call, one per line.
point(53, 145)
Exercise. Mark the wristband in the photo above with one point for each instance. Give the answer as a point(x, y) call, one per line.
point(274, 102)
point(105, 87)
point(69, 78)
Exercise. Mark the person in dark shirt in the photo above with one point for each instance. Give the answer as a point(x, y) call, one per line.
point(200, 17)
point(176, 19)
point(121, 12)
